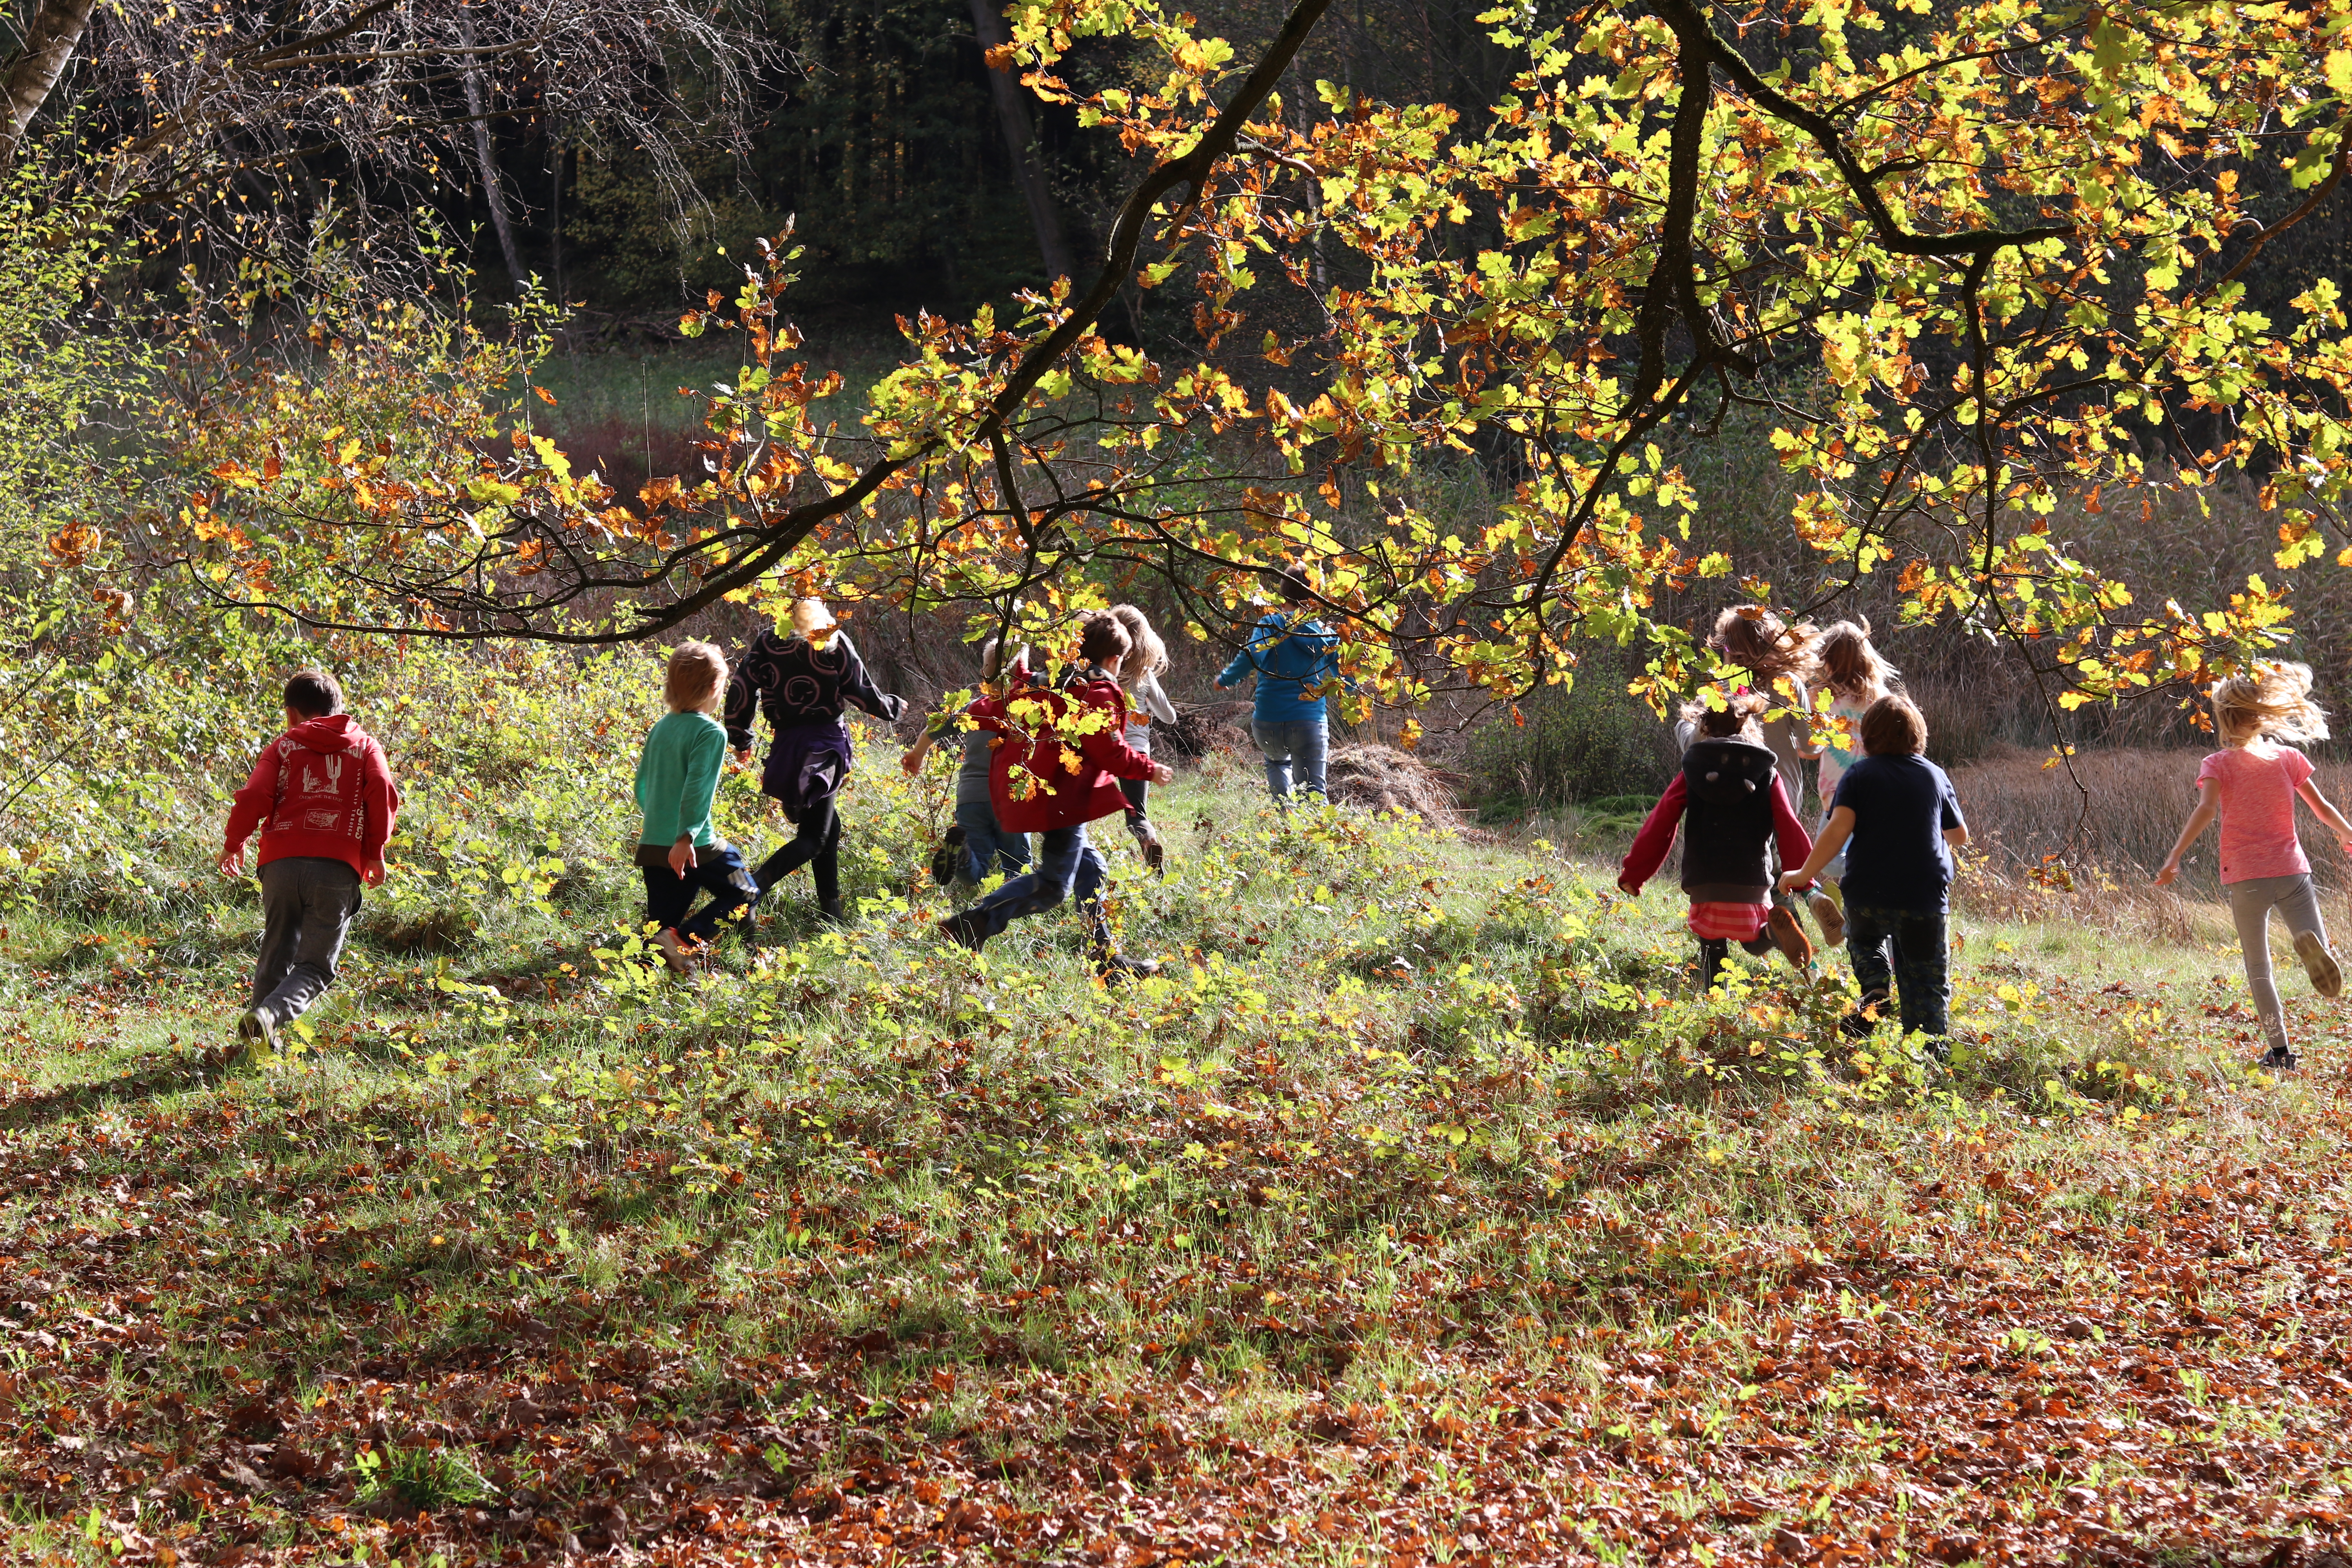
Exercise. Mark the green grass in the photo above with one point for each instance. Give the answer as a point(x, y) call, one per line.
point(1416, 1211)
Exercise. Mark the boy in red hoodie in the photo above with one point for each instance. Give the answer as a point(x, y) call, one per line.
point(323, 798)
point(1057, 769)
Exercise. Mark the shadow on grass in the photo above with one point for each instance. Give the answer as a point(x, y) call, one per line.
point(193, 1070)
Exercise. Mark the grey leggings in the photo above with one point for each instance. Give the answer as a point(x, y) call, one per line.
point(2250, 903)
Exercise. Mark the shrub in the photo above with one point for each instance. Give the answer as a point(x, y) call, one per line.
point(1587, 741)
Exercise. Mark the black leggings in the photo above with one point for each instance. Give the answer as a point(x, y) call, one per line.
point(1136, 791)
point(817, 845)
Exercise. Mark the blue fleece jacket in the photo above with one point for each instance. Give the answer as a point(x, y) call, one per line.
point(1290, 652)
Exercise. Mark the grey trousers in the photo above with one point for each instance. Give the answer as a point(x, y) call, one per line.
point(2250, 903)
point(307, 906)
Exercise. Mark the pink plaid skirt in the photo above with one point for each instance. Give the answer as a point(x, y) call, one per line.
point(1729, 922)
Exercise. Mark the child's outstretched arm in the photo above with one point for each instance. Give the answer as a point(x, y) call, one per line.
point(2326, 814)
point(1795, 843)
point(1657, 837)
point(2207, 808)
point(1833, 836)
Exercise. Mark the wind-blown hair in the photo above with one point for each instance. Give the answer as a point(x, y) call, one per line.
point(2271, 699)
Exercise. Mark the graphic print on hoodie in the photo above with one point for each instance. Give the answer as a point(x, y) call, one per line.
point(322, 789)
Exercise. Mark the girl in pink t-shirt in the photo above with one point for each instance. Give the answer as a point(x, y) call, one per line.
point(2252, 786)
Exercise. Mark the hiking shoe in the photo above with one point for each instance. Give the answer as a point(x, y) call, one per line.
point(1115, 966)
point(1789, 937)
point(1155, 854)
point(2282, 1058)
point(253, 1024)
point(1831, 918)
point(948, 859)
point(964, 930)
point(2319, 963)
point(674, 951)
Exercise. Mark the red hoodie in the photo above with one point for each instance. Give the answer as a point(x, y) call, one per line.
point(322, 789)
point(1073, 772)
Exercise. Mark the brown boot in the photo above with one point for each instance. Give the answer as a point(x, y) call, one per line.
point(1789, 937)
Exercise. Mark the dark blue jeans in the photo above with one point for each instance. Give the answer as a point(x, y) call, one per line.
point(1066, 863)
point(1920, 972)
point(986, 846)
point(718, 870)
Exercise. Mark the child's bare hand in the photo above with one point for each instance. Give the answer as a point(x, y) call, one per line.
point(2164, 877)
point(743, 757)
point(372, 873)
point(911, 760)
point(1791, 880)
point(681, 858)
point(1161, 772)
point(232, 860)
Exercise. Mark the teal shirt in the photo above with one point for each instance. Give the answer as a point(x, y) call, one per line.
point(677, 778)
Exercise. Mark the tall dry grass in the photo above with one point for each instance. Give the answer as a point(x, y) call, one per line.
point(2119, 809)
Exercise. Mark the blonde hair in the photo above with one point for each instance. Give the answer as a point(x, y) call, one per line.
point(811, 618)
point(993, 662)
point(1758, 641)
point(697, 670)
point(2271, 699)
point(1736, 718)
point(1849, 665)
point(1147, 654)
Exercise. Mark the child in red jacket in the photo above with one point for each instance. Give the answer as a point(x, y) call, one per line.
point(323, 798)
point(1730, 803)
point(1058, 769)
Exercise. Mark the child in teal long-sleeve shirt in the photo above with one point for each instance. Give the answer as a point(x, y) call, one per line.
point(1294, 655)
point(677, 781)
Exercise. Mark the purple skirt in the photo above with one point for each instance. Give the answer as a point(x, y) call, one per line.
point(806, 766)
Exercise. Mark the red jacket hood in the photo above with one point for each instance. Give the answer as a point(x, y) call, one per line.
point(329, 733)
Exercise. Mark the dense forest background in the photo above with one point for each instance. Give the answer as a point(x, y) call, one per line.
point(920, 179)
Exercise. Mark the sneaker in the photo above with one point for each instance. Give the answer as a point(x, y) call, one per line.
point(964, 930)
point(253, 1024)
point(2282, 1058)
point(1831, 918)
point(674, 951)
point(1115, 966)
point(1789, 937)
point(2319, 963)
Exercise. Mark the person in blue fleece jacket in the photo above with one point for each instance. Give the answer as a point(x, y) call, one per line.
point(1295, 658)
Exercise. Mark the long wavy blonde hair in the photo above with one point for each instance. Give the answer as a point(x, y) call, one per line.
point(2271, 699)
point(1146, 654)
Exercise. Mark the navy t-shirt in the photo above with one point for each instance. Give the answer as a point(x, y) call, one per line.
point(1897, 860)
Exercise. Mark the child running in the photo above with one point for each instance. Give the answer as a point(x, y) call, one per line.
point(677, 781)
point(1898, 810)
point(1058, 769)
point(1855, 677)
point(2252, 784)
point(1778, 662)
point(1732, 805)
point(801, 680)
point(976, 842)
point(323, 796)
point(1294, 654)
point(1147, 656)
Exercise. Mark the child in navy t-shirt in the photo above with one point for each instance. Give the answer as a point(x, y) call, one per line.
point(1904, 821)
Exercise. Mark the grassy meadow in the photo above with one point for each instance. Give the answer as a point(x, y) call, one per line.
point(1416, 1213)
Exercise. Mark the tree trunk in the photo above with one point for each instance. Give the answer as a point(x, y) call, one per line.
point(56, 27)
point(1021, 142)
point(486, 156)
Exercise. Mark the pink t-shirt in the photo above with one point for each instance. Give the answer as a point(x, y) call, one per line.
point(2256, 794)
